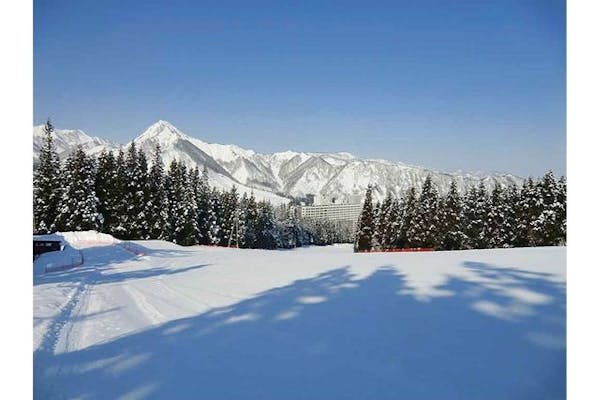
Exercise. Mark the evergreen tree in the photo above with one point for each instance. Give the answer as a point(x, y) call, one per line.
point(205, 214)
point(423, 231)
point(230, 221)
point(265, 227)
point(79, 205)
point(562, 211)
point(119, 228)
point(47, 185)
point(248, 220)
point(135, 194)
point(510, 222)
point(476, 210)
point(383, 226)
point(216, 231)
point(546, 229)
point(496, 230)
point(366, 222)
point(108, 198)
point(157, 205)
point(408, 210)
point(452, 236)
point(392, 227)
point(528, 209)
point(378, 225)
point(181, 207)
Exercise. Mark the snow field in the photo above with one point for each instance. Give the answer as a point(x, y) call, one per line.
point(308, 323)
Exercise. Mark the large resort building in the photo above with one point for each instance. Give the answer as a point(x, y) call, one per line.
point(331, 211)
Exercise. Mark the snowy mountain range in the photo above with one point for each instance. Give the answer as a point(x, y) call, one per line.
point(278, 176)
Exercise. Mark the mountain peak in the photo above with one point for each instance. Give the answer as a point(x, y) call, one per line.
point(161, 131)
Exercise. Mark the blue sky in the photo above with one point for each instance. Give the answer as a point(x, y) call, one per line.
point(471, 85)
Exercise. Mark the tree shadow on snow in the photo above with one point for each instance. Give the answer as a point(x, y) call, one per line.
point(499, 335)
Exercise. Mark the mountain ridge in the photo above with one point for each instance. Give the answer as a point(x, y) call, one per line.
point(282, 175)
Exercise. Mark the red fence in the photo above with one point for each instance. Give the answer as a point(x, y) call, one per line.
point(403, 250)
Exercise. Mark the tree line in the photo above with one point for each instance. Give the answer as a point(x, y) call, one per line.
point(122, 195)
point(532, 215)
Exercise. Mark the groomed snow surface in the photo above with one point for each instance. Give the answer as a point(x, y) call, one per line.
point(310, 323)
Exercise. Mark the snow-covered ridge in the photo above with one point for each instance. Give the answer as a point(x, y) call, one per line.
point(281, 175)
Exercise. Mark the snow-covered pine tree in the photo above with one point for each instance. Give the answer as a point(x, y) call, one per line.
point(135, 194)
point(378, 224)
point(205, 214)
point(497, 234)
point(119, 228)
point(250, 219)
point(265, 226)
point(194, 186)
point(408, 207)
point(476, 210)
point(216, 231)
point(230, 217)
point(79, 205)
point(384, 222)
point(529, 208)
point(157, 205)
point(47, 185)
point(392, 228)
point(425, 223)
point(287, 227)
point(452, 236)
point(366, 224)
point(547, 225)
point(562, 213)
point(106, 177)
point(509, 221)
point(182, 207)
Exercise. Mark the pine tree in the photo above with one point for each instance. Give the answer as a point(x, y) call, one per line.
point(181, 205)
point(452, 236)
point(562, 211)
point(47, 185)
point(265, 227)
point(384, 222)
point(378, 223)
point(135, 194)
point(497, 234)
point(365, 226)
point(423, 231)
point(157, 205)
point(205, 214)
point(510, 222)
point(546, 229)
point(248, 216)
point(79, 205)
point(216, 231)
point(528, 209)
point(393, 224)
point(119, 228)
point(407, 213)
point(106, 176)
point(230, 217)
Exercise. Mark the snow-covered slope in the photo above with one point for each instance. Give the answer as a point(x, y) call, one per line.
point(309, 323)
point(280, 175)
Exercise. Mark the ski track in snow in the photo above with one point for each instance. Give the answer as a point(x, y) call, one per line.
point(305, 323)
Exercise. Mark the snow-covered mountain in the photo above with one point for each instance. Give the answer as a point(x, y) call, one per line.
point(67, 140)
point(278, 176)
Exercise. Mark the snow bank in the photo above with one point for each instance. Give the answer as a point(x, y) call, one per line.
point(54, 261)
point(71, 255)
point(88, 238)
